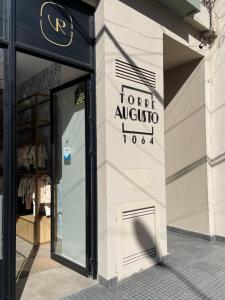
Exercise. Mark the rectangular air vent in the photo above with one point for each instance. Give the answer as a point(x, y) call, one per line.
point(137, 256)
point(138, 212)
point(137, 238)
point(135, 74)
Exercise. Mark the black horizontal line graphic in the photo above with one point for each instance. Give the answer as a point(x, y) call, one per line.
point(132, 66)
point(151, 253)
point(137, 132)
point(133, 75)
point(138, 209)
point(137, 216)
point(138, 253)
point(138, 212)
point(135, 72)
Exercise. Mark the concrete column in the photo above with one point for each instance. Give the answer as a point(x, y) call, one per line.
point(131, 167)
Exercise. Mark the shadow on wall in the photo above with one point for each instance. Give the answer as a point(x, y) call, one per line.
point(146, 239)
point(180, 73)
point(162, 16)
point(141, 75)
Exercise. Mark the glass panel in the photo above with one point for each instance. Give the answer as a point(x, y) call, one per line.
point(35, 78)
point(70, 198)
point(3, 14)
point(1, 141)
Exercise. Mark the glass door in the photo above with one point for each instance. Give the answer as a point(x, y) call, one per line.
point(70, 239)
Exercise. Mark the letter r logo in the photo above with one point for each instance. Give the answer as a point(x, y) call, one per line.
point(59, 24)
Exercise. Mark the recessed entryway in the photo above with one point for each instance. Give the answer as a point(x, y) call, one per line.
point(185, 138)
point(52, 229)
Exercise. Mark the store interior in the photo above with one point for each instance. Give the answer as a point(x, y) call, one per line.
point(36, 271)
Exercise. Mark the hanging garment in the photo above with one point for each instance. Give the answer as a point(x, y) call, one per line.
point(42, 156)
point(44, 185)
point(22, 190)
point(25, 156)
point(32, 157)
point(30, 195)
point(26, 190)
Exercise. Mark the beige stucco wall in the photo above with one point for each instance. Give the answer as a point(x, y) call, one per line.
point(216, 121)
point(214, 165)
point(131, 175)
point(185, 150)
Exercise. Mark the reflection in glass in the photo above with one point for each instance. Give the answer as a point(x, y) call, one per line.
point(70, 177)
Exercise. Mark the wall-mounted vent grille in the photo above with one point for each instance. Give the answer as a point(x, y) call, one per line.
point(135, 213)
point(136, 237)
point(137, 256)
point(135, 74)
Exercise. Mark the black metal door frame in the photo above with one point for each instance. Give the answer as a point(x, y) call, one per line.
point(9, 208)
point(7, 285)
point(90, 182)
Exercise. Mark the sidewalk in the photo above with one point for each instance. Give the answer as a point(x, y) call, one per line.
point(195, 269)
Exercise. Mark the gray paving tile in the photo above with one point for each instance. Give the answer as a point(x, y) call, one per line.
point(195, 269)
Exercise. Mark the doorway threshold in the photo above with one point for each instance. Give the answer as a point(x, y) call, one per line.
point(41, 278)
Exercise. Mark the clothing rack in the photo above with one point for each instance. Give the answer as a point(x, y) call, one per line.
point(33, 104)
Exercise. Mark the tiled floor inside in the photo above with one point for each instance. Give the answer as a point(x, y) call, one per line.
point(41, 278)
point(195, 269)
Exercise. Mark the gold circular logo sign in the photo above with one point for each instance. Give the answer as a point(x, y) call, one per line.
point(56, 24)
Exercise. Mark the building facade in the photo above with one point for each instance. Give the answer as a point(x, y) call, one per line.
point(151, 149)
